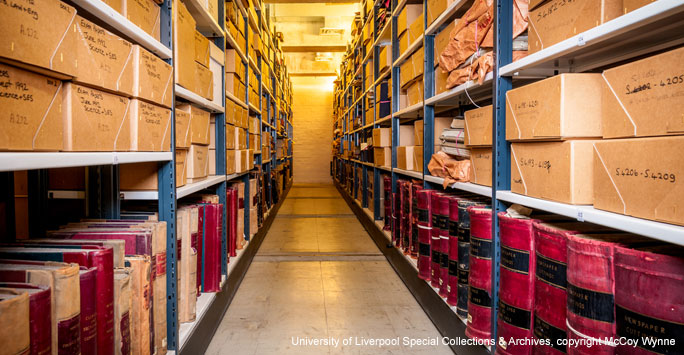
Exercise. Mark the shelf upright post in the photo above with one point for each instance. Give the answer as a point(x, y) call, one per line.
point(429, 90)
point(220, 126)
point(501, 164)
point(395, 97)
point(38, 202)
point(245, 178)
point(167, 202)
point(376, 73)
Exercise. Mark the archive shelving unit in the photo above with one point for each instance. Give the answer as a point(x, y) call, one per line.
point(103, 196)
point(652, 28)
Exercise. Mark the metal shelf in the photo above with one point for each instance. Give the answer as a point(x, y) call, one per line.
point(451, 13)
point(252, 21)
point(653, 27)
point(181, 192)
point(186, 94)
point(120, 23)
point(397, 10)
point(10, 161)
point(254, 109)
point(413, 174)
point(233, 44)
point(235, 99)
point(266, 161)
point(464, 186)
point(205, 22)
point(413, 111)
point(453, 96)
point(236, 175)
point(661, 231)
point(252, 63)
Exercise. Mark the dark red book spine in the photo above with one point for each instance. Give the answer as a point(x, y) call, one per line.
point(516, 284)
point(396, 214)
point(413, 248)
point(550, 295)
point(125, 325)
point(435, 240)
point(444, 244)
point(40, 316)
point(211, 245)
point(232, 221)
point(89, 302)
point(387, 186)
point(401, 191)
point(480, 279)
point(649, 299)
point(405, 216)
point(463, 255)
point(452, 287)
point(424, 233)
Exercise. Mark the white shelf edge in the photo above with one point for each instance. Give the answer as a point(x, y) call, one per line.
point(112, 18)
point(657, 230)
point(200, 185)
point(442, 19)
point(254, 108)
point(12, 161)
point(459, 90)
point(463, 186)
point(413, 174)
point(235, 99)
point(198, 100)
point(234, 45)
point(408, 110)
point(236, 175)
point(637, 18)
point(400, 5)
point(205, 22)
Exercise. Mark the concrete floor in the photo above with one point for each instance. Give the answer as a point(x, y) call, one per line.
point(318, 275)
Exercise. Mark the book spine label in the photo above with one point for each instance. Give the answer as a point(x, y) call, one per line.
point(69, 335)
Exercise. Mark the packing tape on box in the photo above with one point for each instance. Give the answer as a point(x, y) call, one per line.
point(605, 168)
point(517, 165)
point(603, 75)
point(124, 121)
point(517, 126)
point(52, 57)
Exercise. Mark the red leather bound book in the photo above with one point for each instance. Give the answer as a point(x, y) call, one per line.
point(138, 242)
point(405, 215)
point(463, 255)
point(40, 315)
point(443, 207)
point(435, 238)
point(591, 288)
point(211, 248)
point(88, 256)
point(649, 298)
point(550, 285)
point(413, 248)
point(232, 220)
point(63, 279)
point(396, 214)
point(387, 186)
point(89, 327)
point(424, 233)
point(197, 243)
point(452, 287)
point(516, 287)
point(480, 279)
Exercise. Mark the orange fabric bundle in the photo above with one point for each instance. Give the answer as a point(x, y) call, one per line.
point(452, 170)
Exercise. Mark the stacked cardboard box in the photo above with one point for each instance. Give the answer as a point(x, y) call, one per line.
point(409, 156)
point(382, 147)
point(440, 124)
point(192, 54)
point(478, 138)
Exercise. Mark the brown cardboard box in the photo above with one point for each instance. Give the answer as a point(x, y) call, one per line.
point(230, 111)
point(556, 171)
point(414, 92)
point(481, 166)
point(95, 120)
point(230, 161)
point(231, 140)
point(534, 3)
point(406, 73)
point(241, 160)
point(145, 14)
point(631, 5)
point(153, 78)
point(441, 42)
point(440, 124)
point(418, 158)
point(406, 136)
point(150, 127)
point(478, 127)
point(645, 98)
point(140, 176)
point(382, 137)
point(407, 16)
point(234, 63)
point(212, 161)
point(233, 85)
point(197, 162)
point(202, 53)
point(183, 136)
point(382, 156)
point(250, 157)
point(181, 170)
point(403, 43)
point(40, 34)
point(104, 60)
point(242, 138)
point(415, 30)
point(418, 61)
point(385, 58)
point(560, 107)
point(406, 159)
point(31, 115)
point(440, 80)
point(184, 46)
point(204, 82)
point(212, 134)
point(558, 20)
point(199, 123)
point(638, 177)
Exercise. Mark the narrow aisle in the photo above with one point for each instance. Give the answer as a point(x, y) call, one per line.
point(318, 275)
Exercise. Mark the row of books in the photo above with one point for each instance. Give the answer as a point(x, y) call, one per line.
point(565, 286)
point(99, 286)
